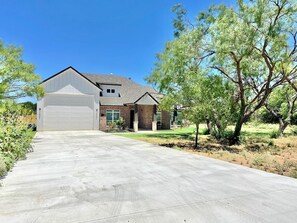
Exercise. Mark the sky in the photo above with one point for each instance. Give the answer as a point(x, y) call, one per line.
point(94, 36)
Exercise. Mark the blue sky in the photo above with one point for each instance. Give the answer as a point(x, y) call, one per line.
point(95, 36)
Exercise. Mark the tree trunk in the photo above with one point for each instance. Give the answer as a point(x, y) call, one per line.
point(208, 124)
point(237, 132)
point(238, 126)
point(282, 126)
point(196, 136)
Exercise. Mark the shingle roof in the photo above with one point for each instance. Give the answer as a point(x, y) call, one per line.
point(130, 90)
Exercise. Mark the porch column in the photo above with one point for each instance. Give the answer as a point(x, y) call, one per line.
point(174, 124)
point(135, 122)
point(154, 122)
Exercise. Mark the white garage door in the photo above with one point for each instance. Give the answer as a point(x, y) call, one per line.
point(68, 112)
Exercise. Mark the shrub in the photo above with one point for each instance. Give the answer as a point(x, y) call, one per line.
point(3, 169)
point(15, 137)
point(121, 124)
point(274, 134)
point(204, 131)
point(222, 134)
point(112, 125)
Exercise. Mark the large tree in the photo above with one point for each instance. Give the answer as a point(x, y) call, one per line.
point(199, 94)
point(253, 45)
point(17, 78)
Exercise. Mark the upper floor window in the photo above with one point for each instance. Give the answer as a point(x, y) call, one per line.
point(110, 90)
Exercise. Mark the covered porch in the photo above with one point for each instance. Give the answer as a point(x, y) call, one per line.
point(144, 115)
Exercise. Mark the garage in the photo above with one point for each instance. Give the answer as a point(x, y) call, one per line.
point(68, 112)
point(70, 102)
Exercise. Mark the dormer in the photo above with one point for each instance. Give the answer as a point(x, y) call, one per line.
point(110, 89)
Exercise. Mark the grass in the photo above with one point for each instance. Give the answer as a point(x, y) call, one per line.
point(258, 149)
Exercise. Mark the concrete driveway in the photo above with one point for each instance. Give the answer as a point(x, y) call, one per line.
point(96, 177)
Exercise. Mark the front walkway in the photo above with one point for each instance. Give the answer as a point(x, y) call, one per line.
point(91, 176)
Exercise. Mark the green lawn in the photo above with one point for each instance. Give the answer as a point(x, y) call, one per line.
point(181, 133)
point(249, 130)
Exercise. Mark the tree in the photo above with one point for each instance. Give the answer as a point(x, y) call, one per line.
point(179, 79)
point(282, 105)
point(252, 45)
point(183, 83)
point(17, 78)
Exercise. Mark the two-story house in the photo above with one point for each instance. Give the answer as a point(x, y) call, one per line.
point(82, 101)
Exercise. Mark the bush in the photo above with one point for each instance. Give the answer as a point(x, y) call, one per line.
point(205, 131)
point(274, 134)
point(15, 137)
point(228, 135)
point(3, 169)
point(121, 124)
point(111, 125)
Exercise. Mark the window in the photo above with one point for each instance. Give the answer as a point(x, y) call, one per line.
point(112, 116)
point(110, 90)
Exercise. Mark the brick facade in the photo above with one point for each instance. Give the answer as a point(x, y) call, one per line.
point(124, 113)
point(145, 116)
point(165, 119)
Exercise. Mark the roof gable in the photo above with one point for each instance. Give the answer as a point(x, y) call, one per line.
point(146, 99)
point(68, 81)
point(77, 72)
